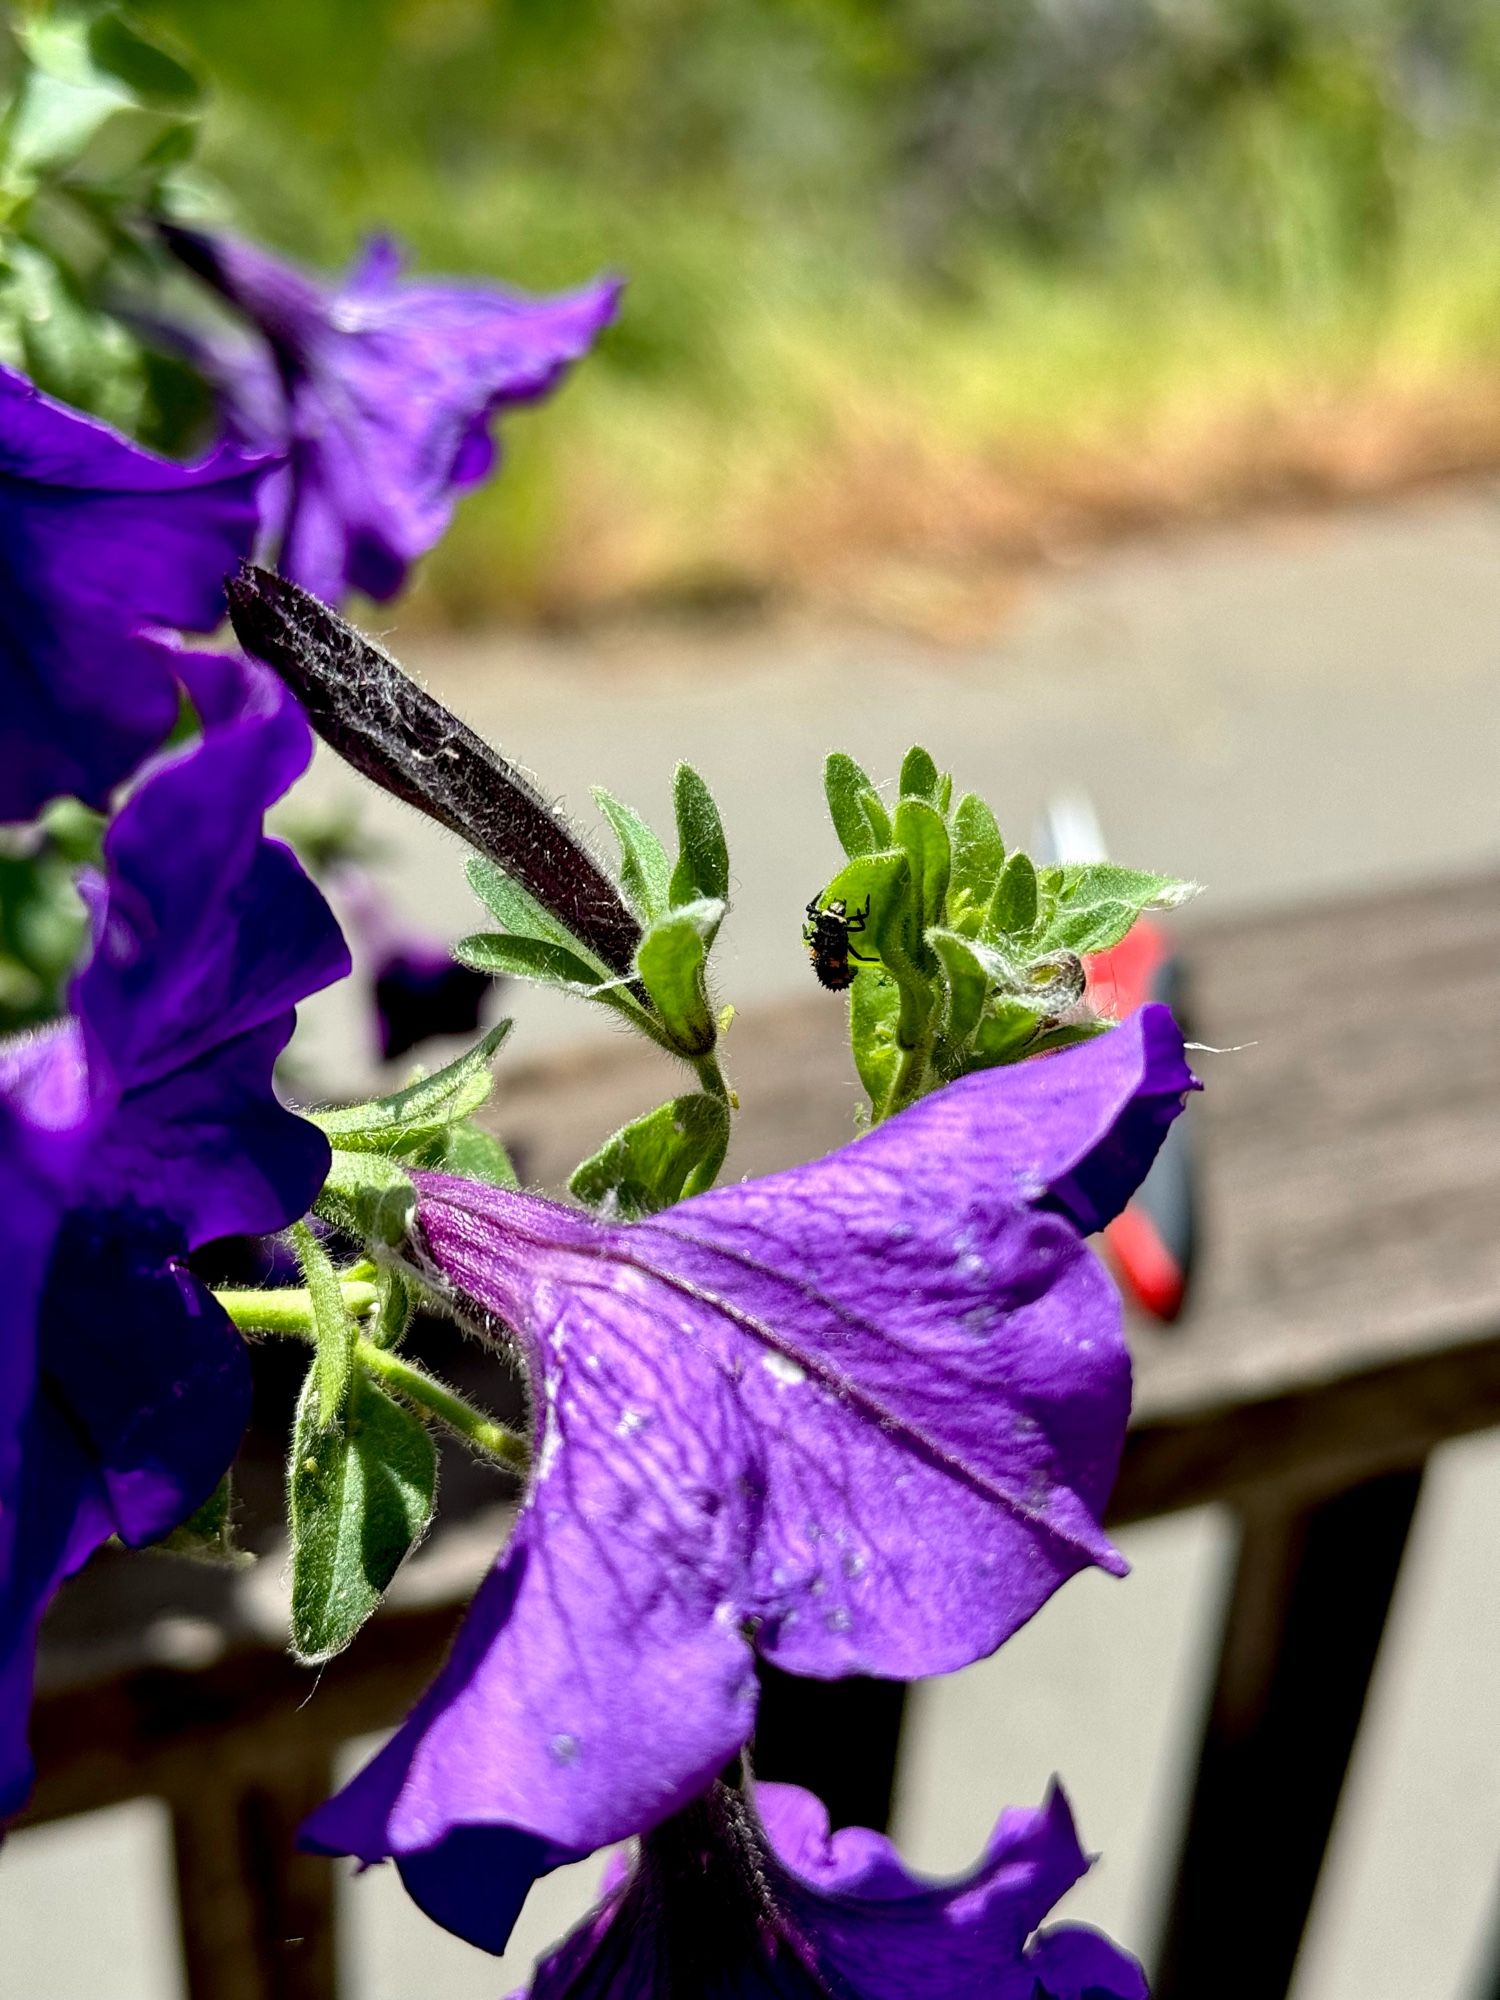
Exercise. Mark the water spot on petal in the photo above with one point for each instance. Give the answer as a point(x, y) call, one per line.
point(838, 1620)
point(854, 1563)
point(632, 1421)
point(784, 1369)
point(563, 1748)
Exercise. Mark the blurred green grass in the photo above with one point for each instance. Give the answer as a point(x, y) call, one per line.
point(916, 285)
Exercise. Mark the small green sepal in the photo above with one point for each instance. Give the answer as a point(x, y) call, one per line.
point(404, 1124)
point(673, 1152)
point(672, 963)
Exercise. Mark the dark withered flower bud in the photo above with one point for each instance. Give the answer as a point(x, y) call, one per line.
point(391, 730)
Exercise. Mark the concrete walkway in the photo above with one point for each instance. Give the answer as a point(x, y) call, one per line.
point(1279, 711)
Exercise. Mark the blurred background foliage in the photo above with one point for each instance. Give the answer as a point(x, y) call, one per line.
point(918, 287)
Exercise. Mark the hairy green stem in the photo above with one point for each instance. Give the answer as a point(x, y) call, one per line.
point(713, 1079)
point(288, 1311)
point(460, 1416)
point(288, 1314)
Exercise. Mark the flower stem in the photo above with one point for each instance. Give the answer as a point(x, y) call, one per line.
point(911, 1074)
point(460, 1416)
point(287, 1313)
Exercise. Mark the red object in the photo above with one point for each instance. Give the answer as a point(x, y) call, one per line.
point(1151, 1241)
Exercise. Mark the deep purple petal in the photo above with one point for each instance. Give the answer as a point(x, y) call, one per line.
point(882, 1933)
point(726, 1908)
point(539, 1722)
point(391, 387)
point(99, 539)
point(1072, 1962)
point(58, 1517)
point(43, 1473)
point(147, 1365)
point(868, 1412)
point(210, 934)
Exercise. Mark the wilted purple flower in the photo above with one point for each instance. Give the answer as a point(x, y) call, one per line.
point(420, 989)
point(733, 1899)
point(387, 392)
point(100, 540)
point(141, 1127)
point(859, 1417)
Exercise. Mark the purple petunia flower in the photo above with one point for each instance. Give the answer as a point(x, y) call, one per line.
point(419, 988)
point(859, 1417)
point(732, 1899)
point(387, 390)
point(100, 540)
point(141, 1127)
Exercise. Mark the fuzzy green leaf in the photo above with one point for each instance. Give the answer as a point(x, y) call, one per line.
point(1013, 907)
point(516, 909)
point(369, 1196)
point(207, 1535)
point(967, 980)
point(645, 872)
point(477, 1155)
point(922, 835)
point(919, 775)
point(978, 857)
point(673, 1152)
point(876, 814)
point(702, 871)
point(844, 786)
point(527, 958)
point(671, 963)
point(397, 1303)
point(360, 1494)
point(874, 1011)
point(1095, 903)
point(405, 1122)
point(1008, 1031)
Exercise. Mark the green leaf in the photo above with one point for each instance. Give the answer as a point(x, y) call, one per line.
point(874, 1011)
point(968, 981)
point(369, 1196)
point(876, 814)
point(1008, 1031)
point(890, 932)
point(919, 775)
point(844, 786)
point(360, 1494)
point(334, 1330)
point(645, 873)
point(477, 1155)
point(527, 958)
point(671, 962)
point(145, 68)
point(398, 1301)
point(922, 834)
point(405, 1122)
point(1013, 907)
point(516, 909)
point(1096, 903)
point(207, 1535)
point(673, 1152)
point(1069, 1033)
point(702, 871)
point(978, 857)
